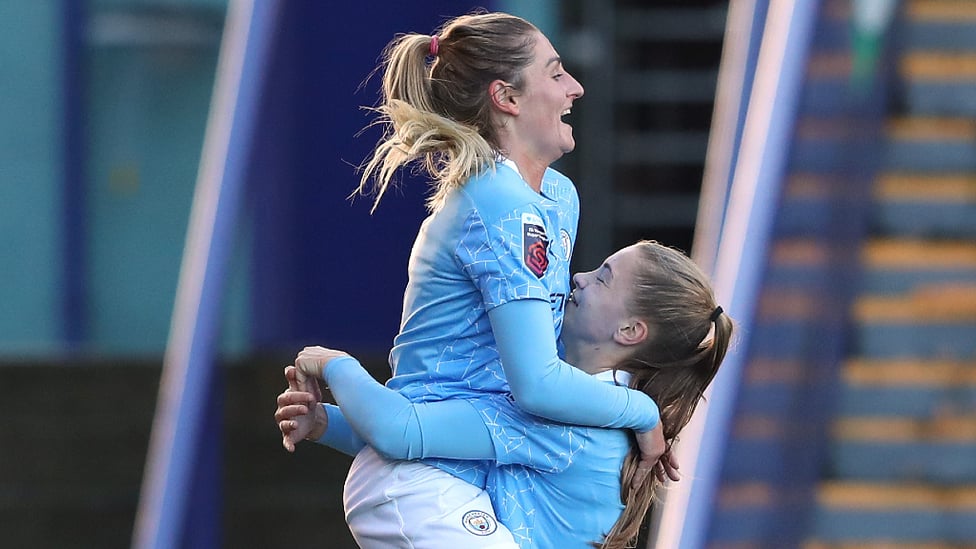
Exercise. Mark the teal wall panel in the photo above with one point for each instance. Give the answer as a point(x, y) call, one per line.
point(162, 4)
point(29, 177)
point(145, 115)
point(148, 114)
point(544, 14)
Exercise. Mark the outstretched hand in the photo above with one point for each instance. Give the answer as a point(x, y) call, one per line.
point(294, 404)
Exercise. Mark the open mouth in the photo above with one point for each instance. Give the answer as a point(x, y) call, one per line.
point(572, 298)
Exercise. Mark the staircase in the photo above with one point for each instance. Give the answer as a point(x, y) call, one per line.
point(856, 421)
point(902, 459)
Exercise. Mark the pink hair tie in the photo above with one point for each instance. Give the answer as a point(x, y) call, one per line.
point(434, 46)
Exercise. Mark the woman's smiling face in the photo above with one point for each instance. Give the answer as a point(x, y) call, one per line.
point(547, 96)
point(598, 305)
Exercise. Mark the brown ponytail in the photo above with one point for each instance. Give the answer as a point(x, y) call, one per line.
point(674, 367)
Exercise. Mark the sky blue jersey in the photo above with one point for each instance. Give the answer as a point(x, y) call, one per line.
point(553, 485)
point(495, 240)
point(488, 278)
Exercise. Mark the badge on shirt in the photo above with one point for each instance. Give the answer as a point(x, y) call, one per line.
point(479, 523)
point(567, 244)
point(535, 244)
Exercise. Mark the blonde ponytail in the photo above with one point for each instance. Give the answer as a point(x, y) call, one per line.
point(435, 109)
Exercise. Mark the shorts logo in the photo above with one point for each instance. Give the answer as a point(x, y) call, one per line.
point(479, 523)
point(535, 244)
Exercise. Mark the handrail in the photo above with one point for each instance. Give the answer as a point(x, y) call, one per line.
point(740, 50)
point(188, 367)
point(742, 251)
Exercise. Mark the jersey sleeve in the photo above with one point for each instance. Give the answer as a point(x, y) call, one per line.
point(505, 257)
point(546, 386)
point(340, 435)
point(400, 429)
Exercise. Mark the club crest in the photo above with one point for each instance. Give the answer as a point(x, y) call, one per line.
point(567, 244)
point(479, 523)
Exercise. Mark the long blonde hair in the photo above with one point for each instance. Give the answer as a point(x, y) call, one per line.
point(438, 113)
point(674, 366)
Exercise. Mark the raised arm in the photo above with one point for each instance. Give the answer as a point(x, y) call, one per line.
point(499, 254)
point(340, 435)
point(546, 386)
point(394, 426)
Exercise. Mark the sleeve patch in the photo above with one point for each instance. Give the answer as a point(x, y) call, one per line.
point(535, 244)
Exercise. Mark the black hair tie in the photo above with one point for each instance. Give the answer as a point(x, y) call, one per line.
point(715, 314)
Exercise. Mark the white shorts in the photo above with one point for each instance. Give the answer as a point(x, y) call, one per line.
point(413, 505)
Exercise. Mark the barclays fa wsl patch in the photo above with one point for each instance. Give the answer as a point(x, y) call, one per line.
point(535, 244)
point(479, 523)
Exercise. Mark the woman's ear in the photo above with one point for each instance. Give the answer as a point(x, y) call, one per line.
point(633, 332)
point(503, 97)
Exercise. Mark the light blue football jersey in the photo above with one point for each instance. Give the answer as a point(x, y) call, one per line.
point(554, 485)
point(493, 241)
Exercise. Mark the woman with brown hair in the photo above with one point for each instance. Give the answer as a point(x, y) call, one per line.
point(647, 318)
point(481, 108)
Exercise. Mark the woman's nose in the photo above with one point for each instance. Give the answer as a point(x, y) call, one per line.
point(577, 90)
point(578, 280)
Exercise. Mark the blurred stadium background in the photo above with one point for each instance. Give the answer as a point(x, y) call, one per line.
point(818, 157)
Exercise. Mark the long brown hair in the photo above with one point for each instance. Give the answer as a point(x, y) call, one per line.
point(436, 109)
point(687, 343)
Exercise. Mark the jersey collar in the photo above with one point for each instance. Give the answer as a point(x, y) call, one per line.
point(619, 377)
point(544, 190)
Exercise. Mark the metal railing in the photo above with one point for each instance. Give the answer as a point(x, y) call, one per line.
point(756, 166)
point(189, 370)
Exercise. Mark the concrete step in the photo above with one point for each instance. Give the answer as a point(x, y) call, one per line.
point(938, 83)
point(948, 11)
point(830, 87)
point(676, 24)
point(889, 266)
point(900, 266)
point(865, 512)
point(822, 141)
point(948, 25)
point(903, 449)
point(925, 205)
point(758, 514)
point(904, 204)
point(937, 145)
point(760, 448)
point(913, 389)
point(922, 144)
point(911, 144)
point(936, 322)
point(885, 544)
point(814, 201)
